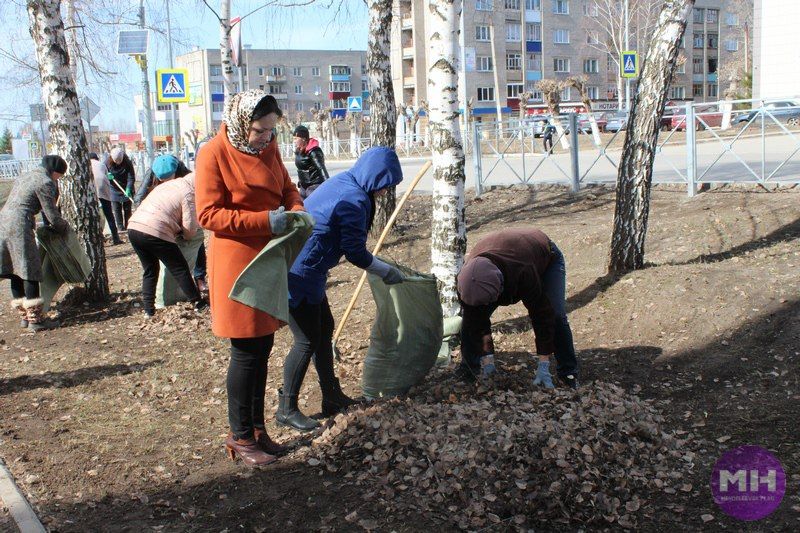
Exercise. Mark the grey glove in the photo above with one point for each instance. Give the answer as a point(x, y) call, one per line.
point(389, 274)
point(278, 221)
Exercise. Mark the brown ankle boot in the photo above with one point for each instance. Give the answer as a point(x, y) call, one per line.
point(37, 321)
point(248, 451)
point(267, 444)
point(17, 304)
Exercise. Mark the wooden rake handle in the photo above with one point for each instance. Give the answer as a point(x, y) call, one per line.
point(378, 247)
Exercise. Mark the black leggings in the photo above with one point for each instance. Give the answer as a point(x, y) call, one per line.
point(246, 383)
point(151, 250)
point(23, 288)
point(122, 213)
point(312, 327)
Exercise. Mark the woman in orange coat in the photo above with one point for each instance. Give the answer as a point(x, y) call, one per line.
point(242, 190)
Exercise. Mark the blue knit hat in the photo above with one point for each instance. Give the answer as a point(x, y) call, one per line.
point(165, 166)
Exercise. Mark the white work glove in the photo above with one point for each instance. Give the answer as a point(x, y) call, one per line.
point(389, 274)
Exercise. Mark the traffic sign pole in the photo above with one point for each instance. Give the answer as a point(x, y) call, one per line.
point(176, 134)
point(147, 127)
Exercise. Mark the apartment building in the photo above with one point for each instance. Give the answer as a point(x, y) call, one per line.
point(528, 40)
point(300, 80)
point(776, 61)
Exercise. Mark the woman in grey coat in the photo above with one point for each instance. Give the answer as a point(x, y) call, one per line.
point(33, 192)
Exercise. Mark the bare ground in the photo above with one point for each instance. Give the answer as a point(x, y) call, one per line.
point(115, 424)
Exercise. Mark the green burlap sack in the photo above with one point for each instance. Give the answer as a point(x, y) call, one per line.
point(63, 261)
point(167, 290)
point(406, 336)
point(264, 283)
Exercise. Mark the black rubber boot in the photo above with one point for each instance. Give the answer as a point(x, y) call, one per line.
point(289, 415)
point(334, 401)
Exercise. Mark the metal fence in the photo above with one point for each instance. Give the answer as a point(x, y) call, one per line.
point(739, 141)
point(12, 168)
point(352, 148)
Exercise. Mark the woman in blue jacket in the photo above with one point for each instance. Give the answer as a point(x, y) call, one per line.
point(343, 208)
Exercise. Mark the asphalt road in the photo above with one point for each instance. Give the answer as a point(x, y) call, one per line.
point(713, 164)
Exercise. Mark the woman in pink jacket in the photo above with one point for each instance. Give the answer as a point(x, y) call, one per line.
point(168, 211)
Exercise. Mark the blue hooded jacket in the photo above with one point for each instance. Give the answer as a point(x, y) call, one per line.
point(342, 209)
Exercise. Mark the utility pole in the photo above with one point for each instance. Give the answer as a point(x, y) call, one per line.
point(495, 67)
point(627, 47)
point(147, 126)
point(176, 132)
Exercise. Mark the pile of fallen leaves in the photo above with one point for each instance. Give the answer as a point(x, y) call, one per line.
point(475, 457)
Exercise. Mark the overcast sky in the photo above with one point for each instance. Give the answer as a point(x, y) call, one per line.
point(319, 26)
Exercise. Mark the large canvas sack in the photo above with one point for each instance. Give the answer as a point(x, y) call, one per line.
point(167, 290)
point(63, 261)
point(264, 283)
point(406, 336)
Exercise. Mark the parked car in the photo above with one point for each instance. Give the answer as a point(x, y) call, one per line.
point(585, 125)
point(705, 117)
point(665, 124)
point(783, 110)
point(617, 122)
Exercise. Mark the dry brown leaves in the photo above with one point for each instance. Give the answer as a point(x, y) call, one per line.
point(477, 457)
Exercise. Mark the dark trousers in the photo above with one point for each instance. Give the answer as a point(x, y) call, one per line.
point(108, 212)
point(477, 321)
point(246, 383)
point(23, 288)
point(122, 213)
point(548, 139)
point(312, 328)
point(151, 250)
point(305, 192)
point(200, 264)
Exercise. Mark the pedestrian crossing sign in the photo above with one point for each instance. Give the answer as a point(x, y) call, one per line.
point(629, 64)
point(354, 104)
point(172, 85)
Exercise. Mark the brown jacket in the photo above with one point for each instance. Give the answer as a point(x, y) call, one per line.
point(522, 255)
point(234, 194)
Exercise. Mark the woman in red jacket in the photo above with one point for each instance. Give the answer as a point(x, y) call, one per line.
point(242, 190)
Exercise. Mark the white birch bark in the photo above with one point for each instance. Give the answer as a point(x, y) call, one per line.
point(225, 47)
point(383, 113)
point(636, 163)
point(72, 40)
point(448, 234)
point(78, 201)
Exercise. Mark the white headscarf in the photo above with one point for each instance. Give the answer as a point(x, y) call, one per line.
point(238, 117)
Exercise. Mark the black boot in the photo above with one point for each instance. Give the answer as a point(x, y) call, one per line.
point(289, 415)
point(334, 401)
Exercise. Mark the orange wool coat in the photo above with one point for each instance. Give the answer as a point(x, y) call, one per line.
point(234, 192)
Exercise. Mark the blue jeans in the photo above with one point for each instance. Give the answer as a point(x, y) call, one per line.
point(200, 264)
point(477, 325)
point(554, 285)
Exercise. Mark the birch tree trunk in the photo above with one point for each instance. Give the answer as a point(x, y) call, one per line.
point(636, 163)
point(72, 41)
point(383, 113)
point(225, 47)
point(448, 235)
point(78, 196)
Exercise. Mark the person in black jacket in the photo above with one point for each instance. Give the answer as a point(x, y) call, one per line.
point(310, 162)
point(119, 170)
